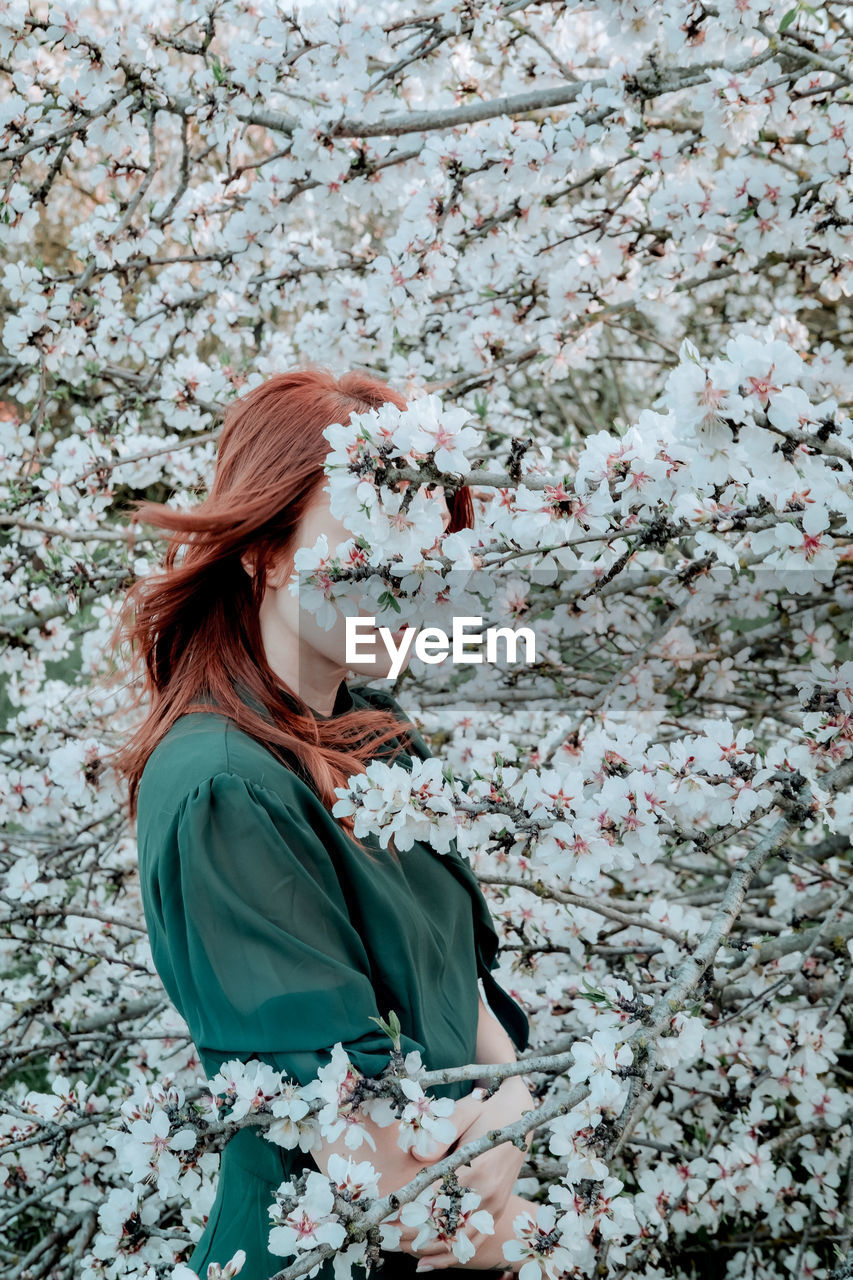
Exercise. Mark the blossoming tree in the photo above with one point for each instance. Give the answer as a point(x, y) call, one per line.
point(604, 251)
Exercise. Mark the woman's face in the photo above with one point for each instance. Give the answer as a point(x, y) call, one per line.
point(293, 635)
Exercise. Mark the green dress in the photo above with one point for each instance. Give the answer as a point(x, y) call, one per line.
point(275, 937)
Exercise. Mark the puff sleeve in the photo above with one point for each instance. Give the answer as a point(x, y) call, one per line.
point(265, 958)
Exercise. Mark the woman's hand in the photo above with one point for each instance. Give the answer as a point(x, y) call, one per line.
point(467, 1111)
point(397, 1166)
point(492, 1174)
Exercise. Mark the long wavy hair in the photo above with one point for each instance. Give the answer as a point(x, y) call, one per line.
point(191, 631)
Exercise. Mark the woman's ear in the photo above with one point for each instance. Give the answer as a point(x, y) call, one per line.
point(279, 571)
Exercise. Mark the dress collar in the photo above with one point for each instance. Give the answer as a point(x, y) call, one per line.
point(343, 703)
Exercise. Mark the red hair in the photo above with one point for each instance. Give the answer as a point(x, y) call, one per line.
point(193, 629)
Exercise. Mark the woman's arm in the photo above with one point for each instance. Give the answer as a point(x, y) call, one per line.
point(506, 1105)
point(493, 1042)
point(494, 1173)
point(494, 1045)
point(397, 1167)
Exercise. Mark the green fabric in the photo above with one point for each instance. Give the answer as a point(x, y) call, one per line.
point(275, 937)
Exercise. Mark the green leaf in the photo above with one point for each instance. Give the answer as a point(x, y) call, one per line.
point(391, 1027)
point(388, 599)
point(593, 994)
point(788, 18)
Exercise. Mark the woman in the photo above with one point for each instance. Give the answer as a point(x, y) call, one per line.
point(275, 932)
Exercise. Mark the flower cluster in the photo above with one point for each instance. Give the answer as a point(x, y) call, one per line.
point(448, 1220)
point(405, 804)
